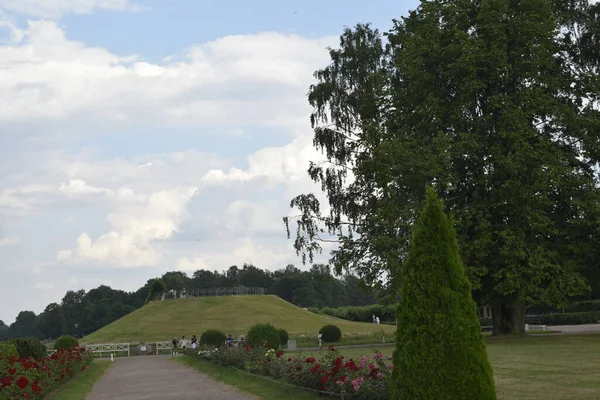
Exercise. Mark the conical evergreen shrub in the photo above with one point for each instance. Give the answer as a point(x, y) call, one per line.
point(440, 352)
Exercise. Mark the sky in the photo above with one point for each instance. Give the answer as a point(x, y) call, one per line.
point(140, 137)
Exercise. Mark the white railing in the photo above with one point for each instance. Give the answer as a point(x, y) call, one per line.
point(50, 352)
point(108, 348)
point(163, 346)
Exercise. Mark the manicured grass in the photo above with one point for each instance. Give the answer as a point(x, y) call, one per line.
point(264, 389)
point(162, 320)
point(79, 387)
point(535, 368)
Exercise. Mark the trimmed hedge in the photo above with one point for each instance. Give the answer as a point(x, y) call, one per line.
point(30, 347)
point(213, 337)
point(360, 313)
point(440, 353)
point(263, 334)
point(330, 333)
point(8, 349)
point(283, 337)
point(578, 318)
point(65, 342)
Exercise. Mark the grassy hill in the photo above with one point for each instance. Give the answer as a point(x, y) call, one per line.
point(161, 320)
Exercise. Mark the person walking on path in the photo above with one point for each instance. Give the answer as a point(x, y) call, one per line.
point(174, 341)
point(183, 343)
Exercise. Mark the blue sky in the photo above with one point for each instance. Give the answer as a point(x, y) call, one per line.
point(140, 138)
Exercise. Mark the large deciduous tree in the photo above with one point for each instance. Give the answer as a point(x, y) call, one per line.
point(495, 103)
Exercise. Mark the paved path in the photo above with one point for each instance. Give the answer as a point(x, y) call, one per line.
point(158, 377)
point(589, 328)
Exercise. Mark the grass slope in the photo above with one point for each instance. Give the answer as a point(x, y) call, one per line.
point(161, 320)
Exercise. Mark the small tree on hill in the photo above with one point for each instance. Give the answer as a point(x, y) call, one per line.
point(440, 353)
point(156, 287)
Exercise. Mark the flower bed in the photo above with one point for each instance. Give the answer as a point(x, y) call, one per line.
point(26, 378)
point(366, 378)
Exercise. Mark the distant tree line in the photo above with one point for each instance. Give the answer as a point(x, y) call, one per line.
point(81, 313)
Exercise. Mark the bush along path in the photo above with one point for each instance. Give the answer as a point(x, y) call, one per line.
point(28, 377)
point(330, 375)
point(158, 377)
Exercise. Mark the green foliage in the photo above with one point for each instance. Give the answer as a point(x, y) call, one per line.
point(440, 353)
point(478, 97)
point(156, 287)
point(585, 306)
point(261, 334)
point(283, 337)
point(213, 337)
point(578, 318)
point(65, 342)
point(330, 333)
point(386, 313)
point(29, 347)
point(8, 349)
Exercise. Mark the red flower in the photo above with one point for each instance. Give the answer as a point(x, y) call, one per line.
point(12, 371)
point(22, 382)
point(36, 389)
point(279, 353)
point(324, 379)
point(310, 360)
point(315, 368)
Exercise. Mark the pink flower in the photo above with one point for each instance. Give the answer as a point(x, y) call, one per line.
point(363, 361)
point(379, 375)
point(355, 385)
point(390, 367)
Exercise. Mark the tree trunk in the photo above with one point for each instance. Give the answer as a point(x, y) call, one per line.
point(518, 318)
point(508, 318)
point(496, 319)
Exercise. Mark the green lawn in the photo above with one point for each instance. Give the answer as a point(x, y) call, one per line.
point(563, 367)
point(79, 387)
point(162, 320)
point(527, 368)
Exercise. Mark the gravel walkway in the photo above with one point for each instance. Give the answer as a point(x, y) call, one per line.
point(158, 378)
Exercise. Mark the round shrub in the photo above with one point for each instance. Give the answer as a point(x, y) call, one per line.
point(263, 334)
point(283, 337)
point(330, 333)
point(65, 342)
point(213, 337)
point(8, 349)
point(29, 347)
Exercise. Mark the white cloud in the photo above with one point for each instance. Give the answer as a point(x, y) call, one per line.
point(144, 209)
point(44, 285)
point(6, 241)
point(250, 79)
point(57, 8)
point(245, 250)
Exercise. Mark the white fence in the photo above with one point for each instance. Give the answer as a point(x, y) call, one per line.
point(111, 348)
point(163, 346)
point(210, 292)
point(50, 352)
